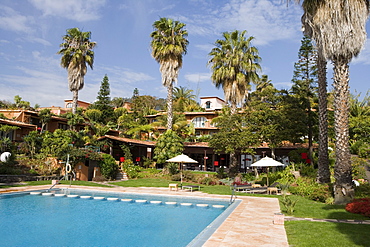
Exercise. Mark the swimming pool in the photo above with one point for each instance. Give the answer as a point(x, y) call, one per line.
point(90, 218)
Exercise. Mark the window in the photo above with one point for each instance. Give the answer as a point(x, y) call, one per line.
point(69, 105)
point(208, 104)
point(199, 122)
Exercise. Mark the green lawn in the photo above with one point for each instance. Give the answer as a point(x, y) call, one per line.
point(305, 233)
point(310, 209)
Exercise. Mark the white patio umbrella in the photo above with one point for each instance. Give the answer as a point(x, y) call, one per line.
point(182, 158)
point(267, 162)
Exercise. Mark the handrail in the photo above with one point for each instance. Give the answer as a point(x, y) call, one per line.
point(56, 182)
point(232, 194)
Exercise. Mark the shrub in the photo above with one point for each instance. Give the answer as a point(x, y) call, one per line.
point(248, 177)
point(307, 187)
point(148, 163)
point(359, 206)
point(150, 173)
point(364, 151)
point(108, 166)
point(221, 173)
point(209, 181)
point(131, 169)
point(176, 177)
point(188, 176)
point(99, 179)
point(358, 167)
point(206, 180)
point(362, 191)
point(172, 168)
point(289, 204)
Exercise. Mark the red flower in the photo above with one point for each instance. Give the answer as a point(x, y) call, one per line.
point(359, 206)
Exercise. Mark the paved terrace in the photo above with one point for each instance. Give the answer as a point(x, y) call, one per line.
point(250, 224)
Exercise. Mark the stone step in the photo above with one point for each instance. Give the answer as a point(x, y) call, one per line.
point(121, 176)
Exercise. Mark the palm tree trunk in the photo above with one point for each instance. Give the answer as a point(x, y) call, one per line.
point(323, 173)
point(74, 102)
point(310, 135)
point(233, 168)
point(169, 106)
point(343, 189)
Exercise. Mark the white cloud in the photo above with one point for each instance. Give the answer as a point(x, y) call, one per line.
point(13, 21)
point(118, 74)
point(35, 86)
point(81, 11)
point(205, 47)
point(200, 77)
point(282, 85)
point(364, 56)
point(266, 20)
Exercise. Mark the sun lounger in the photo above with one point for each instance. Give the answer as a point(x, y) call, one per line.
point(258, 190)
point(191, 187)
point(242, 187)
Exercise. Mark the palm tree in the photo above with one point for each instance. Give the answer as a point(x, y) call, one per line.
point(234, 63)
point(323, 173)
point(168, 45)
point(338, 28)
point(76, 52)
point(182, 98)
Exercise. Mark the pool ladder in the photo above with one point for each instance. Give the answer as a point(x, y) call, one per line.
point(61, 178)
point(233, 196)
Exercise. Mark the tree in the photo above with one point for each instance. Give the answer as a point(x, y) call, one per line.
point(169, 44)
point(145, 105)
point(338, 28)
point(19, 103)
point(180, 125)
point(234, 137)
point(168, 145)
point(45, 117)
point(5, 141)
point(109, 167)
point(74, 120)
point(263, 106)
point(76, 53)
point(103, 102)
point(32, 143)
point(234, 63)
point(94, 115)
point(359, 120)
point(323, 172)
point(183, 97)
point(304, 89)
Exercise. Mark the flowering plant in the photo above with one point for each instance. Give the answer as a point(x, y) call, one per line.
point(359, 206)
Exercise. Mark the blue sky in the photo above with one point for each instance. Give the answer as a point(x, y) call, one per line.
point(31, 31)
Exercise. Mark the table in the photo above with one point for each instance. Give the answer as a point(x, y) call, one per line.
point(272, 190)
point(173, 186)
point(190, 187)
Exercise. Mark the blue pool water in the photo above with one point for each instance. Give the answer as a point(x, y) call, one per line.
point(36, 220)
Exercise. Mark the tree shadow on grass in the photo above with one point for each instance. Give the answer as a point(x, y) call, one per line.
point(357, 233)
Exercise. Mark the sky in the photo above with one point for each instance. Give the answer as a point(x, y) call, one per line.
point(32, 30)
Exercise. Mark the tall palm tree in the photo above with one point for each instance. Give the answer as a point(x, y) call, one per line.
point(234, 63)
point(323, 173)
point(338, 27)
point(168, 45)
point(76, 53)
